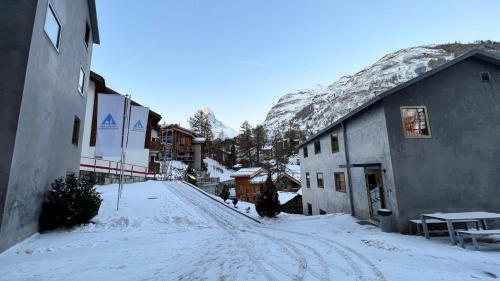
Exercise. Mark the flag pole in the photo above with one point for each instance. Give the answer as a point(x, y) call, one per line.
point(129, 114)
point(122, 154)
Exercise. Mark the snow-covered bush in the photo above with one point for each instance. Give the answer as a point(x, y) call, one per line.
point(70, 202)
point(268, 203)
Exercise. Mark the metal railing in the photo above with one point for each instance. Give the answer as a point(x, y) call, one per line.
point(111, 167)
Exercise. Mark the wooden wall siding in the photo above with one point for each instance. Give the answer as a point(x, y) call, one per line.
point(245, 190)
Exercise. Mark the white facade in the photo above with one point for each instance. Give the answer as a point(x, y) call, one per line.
point(136, 161)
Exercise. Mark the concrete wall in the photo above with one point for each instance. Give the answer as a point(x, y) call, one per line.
point(43, 149)
point(367, 141)
point(458, 169)
point(16, 26)
point(368, 144)
point(327, 198)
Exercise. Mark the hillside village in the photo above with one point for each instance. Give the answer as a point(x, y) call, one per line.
point(386, 174)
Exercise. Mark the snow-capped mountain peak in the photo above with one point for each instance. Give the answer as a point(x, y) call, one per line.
point(219, 129)
point(313, 109)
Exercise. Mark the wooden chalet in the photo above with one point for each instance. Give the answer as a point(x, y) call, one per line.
point(181, 141)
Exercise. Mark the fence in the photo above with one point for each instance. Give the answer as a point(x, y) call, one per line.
point(102, 166)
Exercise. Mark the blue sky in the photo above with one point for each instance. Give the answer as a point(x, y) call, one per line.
point(239, 57)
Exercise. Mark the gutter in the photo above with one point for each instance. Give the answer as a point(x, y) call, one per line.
point(348, 169)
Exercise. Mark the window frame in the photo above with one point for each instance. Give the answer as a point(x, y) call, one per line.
point(87, 36)
point(81, 89)
point(426, 121)
point(75, 136)
point(318, 179)
point(308, 180)
point(337, 183)
point(334, 136)
point(317, 150)
point(50, 8)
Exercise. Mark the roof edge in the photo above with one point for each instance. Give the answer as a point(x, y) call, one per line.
point(93, 21)
point(478, 53)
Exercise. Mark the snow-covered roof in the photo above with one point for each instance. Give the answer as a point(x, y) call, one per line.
point(199, 139)
point(267, 147)
point(286, 196)
point(293, 170)
point(261, 178)
point(247, 172)
point(299, 192)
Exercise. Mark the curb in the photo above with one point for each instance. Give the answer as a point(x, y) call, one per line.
point(222, 203)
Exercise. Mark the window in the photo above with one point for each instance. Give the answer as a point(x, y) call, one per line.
point(309, 209)
point(415, 122)
point(335, 144)
point(53, 26)
point(317, 147)
point(339, 181)
point(81, 80)
point(308, 180)
point(76, 131)
point(485, 76)
point(87, 35)
point(322, 212)
point(319, 180)
point(305, 151)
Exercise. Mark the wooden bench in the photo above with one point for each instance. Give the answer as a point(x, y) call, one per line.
point(418, 225)
point(473, 234)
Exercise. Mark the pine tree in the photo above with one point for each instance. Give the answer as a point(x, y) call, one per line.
point(200, 123)
point(245, 142)
point(260, 139)
point(224, 194)
point(268, 203)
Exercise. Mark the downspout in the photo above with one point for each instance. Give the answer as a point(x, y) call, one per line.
point(348, 168)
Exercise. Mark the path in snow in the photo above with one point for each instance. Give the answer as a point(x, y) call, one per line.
point(171, 231)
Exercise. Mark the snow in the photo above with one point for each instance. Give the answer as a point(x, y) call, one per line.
point(314, 109)
point(464, 215)
point(171, 231)
point(261, 178)
point(219, 129)
point(285, 196)
point(199, 139)
point(293, 170)
point(246, 172)
point(216, 170)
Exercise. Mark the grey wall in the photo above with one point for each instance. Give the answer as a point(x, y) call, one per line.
point(327, 198)
point(16, 25)
point(458, 169)
point(368, 143)
point(43, 149)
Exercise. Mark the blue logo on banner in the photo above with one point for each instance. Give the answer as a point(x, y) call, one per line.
point(108, 122)
point(138, 126)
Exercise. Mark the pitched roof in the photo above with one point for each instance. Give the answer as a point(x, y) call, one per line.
point(262, 177)
point(247, 172)
point(476, 53)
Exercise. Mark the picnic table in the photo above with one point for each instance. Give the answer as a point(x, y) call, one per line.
point(450, 218)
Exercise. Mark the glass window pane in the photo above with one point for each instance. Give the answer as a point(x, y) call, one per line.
point(52, 27)
point(81, 81)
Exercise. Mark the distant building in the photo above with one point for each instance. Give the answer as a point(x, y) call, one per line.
point(245, 190)
point(45, 55)
point(138, 163)
point(182, 142)
point(428, 145)
point(291, 202)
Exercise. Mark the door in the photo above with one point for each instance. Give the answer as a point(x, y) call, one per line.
point(375, 190)
point(309, 209)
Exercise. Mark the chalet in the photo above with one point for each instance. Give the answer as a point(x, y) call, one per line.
point(427, 145)
point(138, 163)
point(45, 55)
point(291, 202)
point(245, 190)
point(182, 142)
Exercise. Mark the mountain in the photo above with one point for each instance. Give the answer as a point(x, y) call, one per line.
point(219, 129)
point(313, 109)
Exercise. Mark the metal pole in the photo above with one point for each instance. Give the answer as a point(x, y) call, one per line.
point(122, 156)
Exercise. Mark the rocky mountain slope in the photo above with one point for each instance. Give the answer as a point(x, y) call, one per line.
point(219, 129)
point(313, 109)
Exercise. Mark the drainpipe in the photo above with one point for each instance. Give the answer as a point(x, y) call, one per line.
point(344, 138)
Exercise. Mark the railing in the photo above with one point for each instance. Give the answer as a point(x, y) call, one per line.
point(111, 167)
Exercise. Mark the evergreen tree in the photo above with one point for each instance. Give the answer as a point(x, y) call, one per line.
point(268, 203)
point(224, 194)
point(70, 202)
point(260, 139)
point(245, 142)
point(200, 124)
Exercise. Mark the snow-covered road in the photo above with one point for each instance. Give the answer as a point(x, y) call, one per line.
point(170, 231)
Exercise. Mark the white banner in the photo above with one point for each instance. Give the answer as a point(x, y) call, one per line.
point(109, 125)
point(137, 128)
